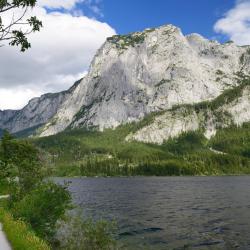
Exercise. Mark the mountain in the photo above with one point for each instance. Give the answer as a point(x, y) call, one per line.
point(36, 113)
point(159, 71)
point(154, 70)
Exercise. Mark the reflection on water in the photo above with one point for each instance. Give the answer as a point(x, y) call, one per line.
point(170, 212)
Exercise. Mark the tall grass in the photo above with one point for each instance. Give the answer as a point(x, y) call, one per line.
point(19, 234)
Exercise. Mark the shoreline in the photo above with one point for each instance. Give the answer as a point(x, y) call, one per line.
point(150, 176)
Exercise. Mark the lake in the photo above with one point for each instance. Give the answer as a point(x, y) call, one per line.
point(170, 212)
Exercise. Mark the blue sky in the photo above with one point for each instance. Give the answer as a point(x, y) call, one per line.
point(133, 15)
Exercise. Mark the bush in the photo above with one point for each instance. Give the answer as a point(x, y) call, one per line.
point(42, 207)
point(85, 234)
point(20, 159)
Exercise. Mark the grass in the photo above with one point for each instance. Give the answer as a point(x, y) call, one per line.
point(19, 234)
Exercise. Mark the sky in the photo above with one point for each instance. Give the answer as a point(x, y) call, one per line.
point(74, 29)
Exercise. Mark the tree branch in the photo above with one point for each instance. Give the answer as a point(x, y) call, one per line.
point(13, 31)
point(9, 8)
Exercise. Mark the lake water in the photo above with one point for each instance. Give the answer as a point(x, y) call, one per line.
point(170, 212)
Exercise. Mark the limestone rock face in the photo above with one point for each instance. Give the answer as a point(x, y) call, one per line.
point(148, 71)
point(190, 118)
point(5, 116)
point(143, 72)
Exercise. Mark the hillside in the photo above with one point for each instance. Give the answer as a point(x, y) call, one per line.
point(78, 152)
point(91, 152)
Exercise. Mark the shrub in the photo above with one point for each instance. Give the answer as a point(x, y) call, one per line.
point(85, 234)
point(42, 207)
point(20, 159)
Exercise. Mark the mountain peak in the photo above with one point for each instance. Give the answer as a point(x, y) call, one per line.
point(139, 73)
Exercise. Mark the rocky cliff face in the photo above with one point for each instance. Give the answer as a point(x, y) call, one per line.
point(37, 112)
point(5, 116)
point(231, 108)
point(144, 72)
point(148, 71)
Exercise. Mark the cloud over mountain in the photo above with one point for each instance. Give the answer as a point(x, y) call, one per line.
point(236, 23)
point(60, 53)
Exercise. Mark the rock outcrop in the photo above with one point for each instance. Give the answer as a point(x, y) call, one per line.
point(231, 108)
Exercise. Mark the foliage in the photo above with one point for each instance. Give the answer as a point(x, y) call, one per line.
point(4, 186)
point(41, 204)
point(186, 143)
point(85, 234)
point(19, 234)
point(172, 167)
point(124, 41)
point(233, 140)
point(37, 202)
point(42, 207)
point(133, 39)
point(11, 31)
point(91, 153)
point(74, 146)
point(19, 158)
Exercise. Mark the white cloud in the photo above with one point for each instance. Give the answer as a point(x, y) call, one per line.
point(60, 54)
point(16, 98)
point(236, 23)
point(54, 4)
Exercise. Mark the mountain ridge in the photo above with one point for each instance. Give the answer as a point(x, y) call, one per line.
point(37, 112)
point(134, 75)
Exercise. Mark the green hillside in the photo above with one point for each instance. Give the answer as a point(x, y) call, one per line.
point(90, 153)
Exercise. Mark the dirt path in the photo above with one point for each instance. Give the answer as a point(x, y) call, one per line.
point(4, 244)
point(4, 196)
point(217, 152)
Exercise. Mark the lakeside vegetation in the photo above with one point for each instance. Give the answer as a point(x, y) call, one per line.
point(19, 234)
point(36, 206)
